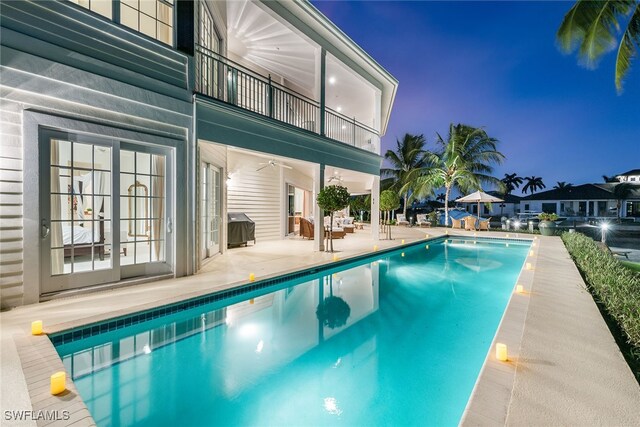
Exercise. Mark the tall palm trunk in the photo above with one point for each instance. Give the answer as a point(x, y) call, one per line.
point(446, 205)
point(404, 211)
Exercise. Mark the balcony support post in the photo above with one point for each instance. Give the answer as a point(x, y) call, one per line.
point(323, 84)
point(375, 209)
point(270, 96)
point(354, 132)
point(318, 214)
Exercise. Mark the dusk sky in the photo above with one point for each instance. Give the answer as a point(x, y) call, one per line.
point(497, 65)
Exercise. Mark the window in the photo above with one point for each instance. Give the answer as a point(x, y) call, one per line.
point(101, 7)
point(549, 207)
point(151, 17)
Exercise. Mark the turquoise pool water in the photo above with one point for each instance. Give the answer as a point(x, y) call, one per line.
point(398, 339)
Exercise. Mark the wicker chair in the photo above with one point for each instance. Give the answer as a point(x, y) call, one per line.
point(484, 224)
point(456, 223)
point(470, 223)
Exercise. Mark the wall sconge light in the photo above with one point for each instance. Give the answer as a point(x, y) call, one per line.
point(36, 327)
point(58, 382)
point(519, 289)
point(252, 277)
point(501, 352)
point(228, 181)
point(529, 266)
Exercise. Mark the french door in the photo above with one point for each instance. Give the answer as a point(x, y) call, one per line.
point(104, 209)
point(210, 207)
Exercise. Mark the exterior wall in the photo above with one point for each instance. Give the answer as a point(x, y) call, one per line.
point(62, 62)
point(258, 194)
point(536, 206)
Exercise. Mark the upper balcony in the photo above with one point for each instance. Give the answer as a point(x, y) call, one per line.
point(225, 80)
point(250, 56)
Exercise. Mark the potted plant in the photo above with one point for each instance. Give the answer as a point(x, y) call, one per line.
point(333, 198)
point(389, 201)
point(547, 225)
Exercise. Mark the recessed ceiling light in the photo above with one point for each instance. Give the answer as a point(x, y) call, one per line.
point(339, 109)
point(332, 80)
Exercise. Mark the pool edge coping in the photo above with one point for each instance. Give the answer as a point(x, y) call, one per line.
point(491, 395)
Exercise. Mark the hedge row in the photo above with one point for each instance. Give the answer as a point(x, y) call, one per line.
point(615, 286)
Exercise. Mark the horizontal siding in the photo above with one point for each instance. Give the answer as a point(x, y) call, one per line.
point(256, 193)
point(108, 49)
point(11, 198)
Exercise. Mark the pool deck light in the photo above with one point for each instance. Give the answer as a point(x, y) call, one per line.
point(36, 327)
point(529, 266)
point(501, 352)
point(252, 277)
point(58, 382)
point(519, 289)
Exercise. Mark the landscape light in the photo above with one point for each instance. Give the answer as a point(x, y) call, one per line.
point(605, 227)
point(517, 224)
point(36, 327)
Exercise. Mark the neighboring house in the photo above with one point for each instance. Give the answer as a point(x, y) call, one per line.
point(130, 129)
point(586, 200)
point(632, 176)
point(509, 208)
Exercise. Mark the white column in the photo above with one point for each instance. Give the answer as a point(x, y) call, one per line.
point(318, 214)
point(375, 208)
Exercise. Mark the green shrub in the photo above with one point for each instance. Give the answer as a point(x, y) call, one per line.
point(613, 285)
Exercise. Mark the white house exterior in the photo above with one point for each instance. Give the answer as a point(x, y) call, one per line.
point(130, 129)
point(584, 201)
point(632, 176)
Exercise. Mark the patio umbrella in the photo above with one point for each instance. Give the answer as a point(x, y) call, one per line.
point(479, 197)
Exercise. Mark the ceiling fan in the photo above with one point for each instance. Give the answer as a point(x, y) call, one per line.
point(335, 178)
point(273, 163)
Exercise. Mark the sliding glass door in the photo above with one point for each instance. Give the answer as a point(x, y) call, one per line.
point(91, 233)
point(210, 207)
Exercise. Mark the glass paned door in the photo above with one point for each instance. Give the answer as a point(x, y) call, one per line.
point(145, 222)
point(76, 213)
point(210, 207)
point(86, 223)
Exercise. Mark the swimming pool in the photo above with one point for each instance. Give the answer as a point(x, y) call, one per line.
point(398, 338)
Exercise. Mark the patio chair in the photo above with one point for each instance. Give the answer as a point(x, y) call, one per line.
point(306, 228)
point(484, 224)
point(402, 220)
point(470, 223)
point(348, 225)
point(422, 221)
point(456, 223)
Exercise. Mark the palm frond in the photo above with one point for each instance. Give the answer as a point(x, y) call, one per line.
point(628, 48)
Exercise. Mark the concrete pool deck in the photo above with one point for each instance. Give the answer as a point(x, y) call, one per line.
point(556, 376)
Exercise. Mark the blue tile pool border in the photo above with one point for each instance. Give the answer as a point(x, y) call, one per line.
point(92, 329)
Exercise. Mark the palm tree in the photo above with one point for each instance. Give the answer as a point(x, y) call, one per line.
point(463, 161)
point(533, 183)
point(440, 197)
point(409, 156)
point(621, 192)
point(561, 184)
point(594, 28)
point(607, 178)
point(511, 182)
